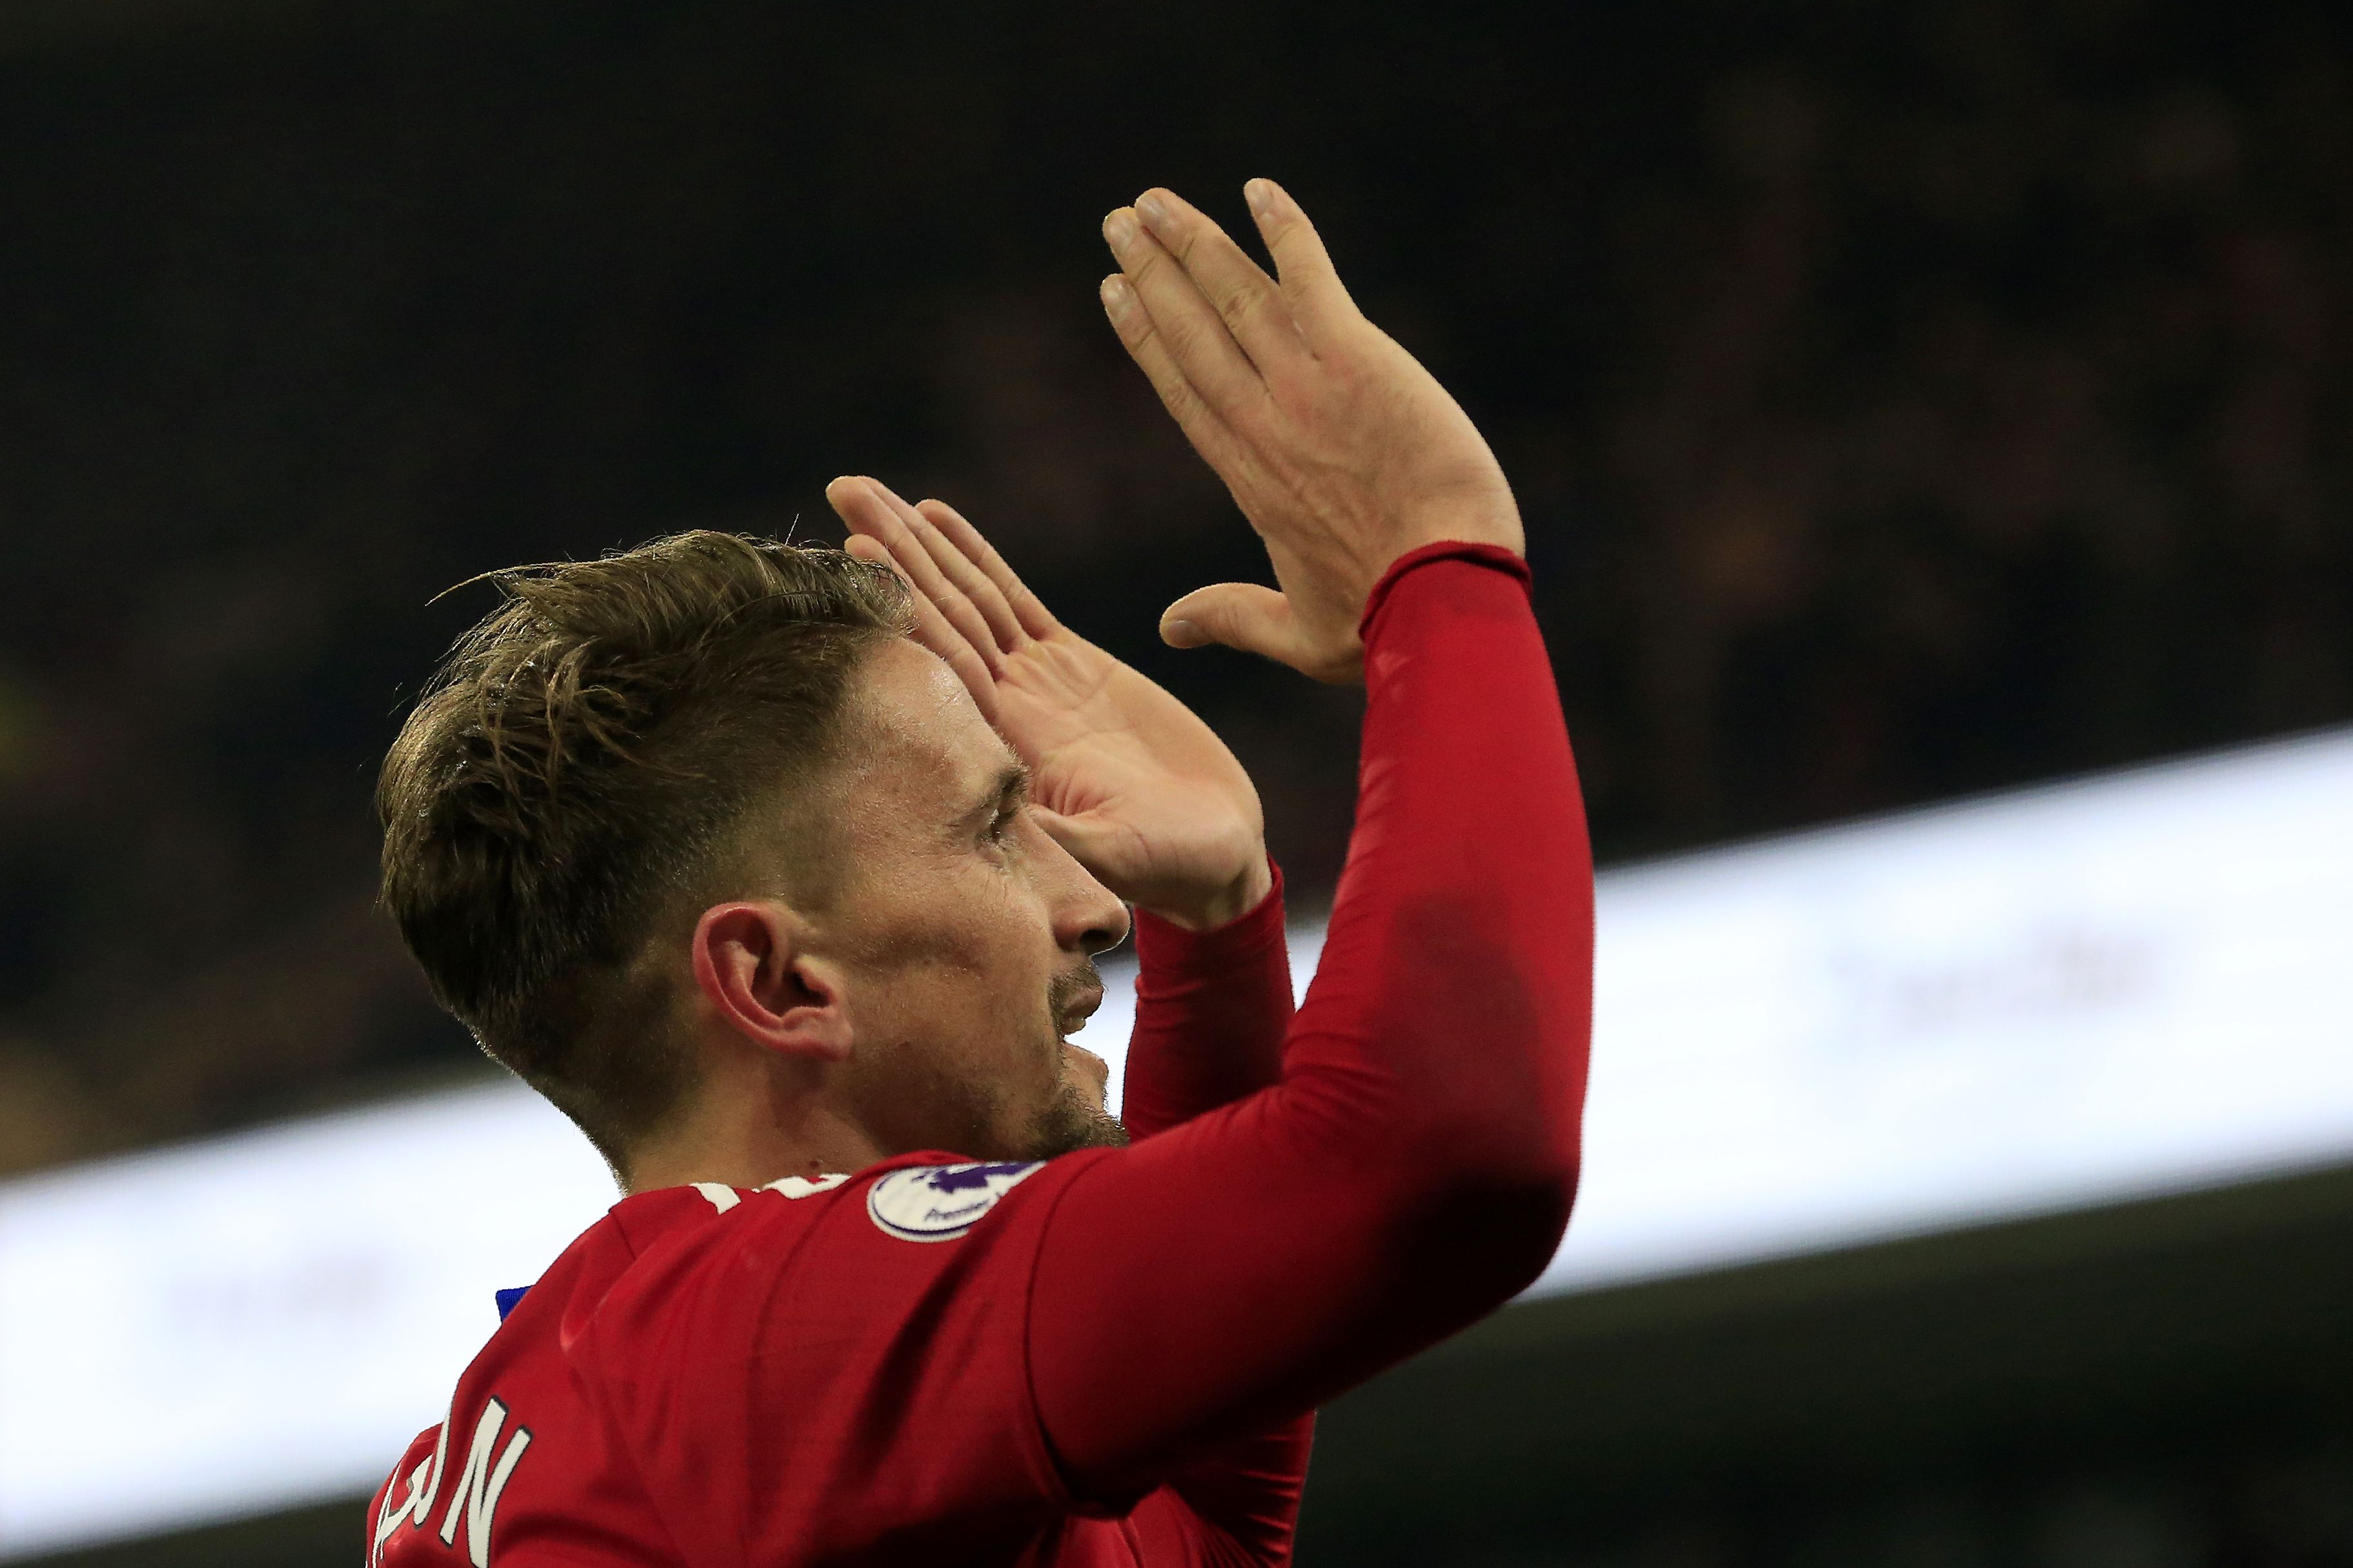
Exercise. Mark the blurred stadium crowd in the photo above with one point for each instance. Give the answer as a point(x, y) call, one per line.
point(1905, 400)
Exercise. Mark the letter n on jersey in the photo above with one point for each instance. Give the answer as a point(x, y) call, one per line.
point(474, 1502)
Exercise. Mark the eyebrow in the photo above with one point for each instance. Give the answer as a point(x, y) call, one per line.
point(1009, 787)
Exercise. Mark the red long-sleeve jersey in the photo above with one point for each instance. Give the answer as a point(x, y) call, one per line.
point(1110, 1357)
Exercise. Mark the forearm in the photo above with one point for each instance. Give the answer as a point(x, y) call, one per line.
point(1457, 971)
point(1212, 1009)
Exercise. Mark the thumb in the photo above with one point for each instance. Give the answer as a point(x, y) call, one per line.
point(1238, 615)
point(1092, 842)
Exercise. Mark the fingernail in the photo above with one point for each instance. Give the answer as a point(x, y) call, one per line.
point(1180, 633)
point(1154, 211)
point(1260, 196)
point(1120, 229)
point(1116, 295)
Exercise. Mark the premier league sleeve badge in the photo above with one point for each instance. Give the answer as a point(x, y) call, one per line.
point(940, 1202)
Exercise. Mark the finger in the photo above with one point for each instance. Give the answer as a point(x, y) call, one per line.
point(1028, 609)
point(934, 632)
point(1141, 338)
point(959, 568)
point(1195, 336)
point(1245, 298)
point(1238, 615)
point(870, 508)
point(949, 580)
point(1319, 303)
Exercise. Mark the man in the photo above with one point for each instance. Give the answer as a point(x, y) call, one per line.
point(791, 911)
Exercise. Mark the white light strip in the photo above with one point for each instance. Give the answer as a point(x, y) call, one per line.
point(2131, 984)
point(2128, 985)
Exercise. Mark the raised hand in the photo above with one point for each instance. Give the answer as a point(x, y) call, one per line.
point(1342, 451)
point(1123, 776)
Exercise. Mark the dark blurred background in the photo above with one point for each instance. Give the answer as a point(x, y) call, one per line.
point(1905, 400)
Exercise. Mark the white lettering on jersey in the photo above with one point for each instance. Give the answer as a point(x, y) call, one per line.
point(479, 1485)
point(723, 1197)
point(803, 1187)
point(480, 1482)
point(417, 1496)
point(423, 1482)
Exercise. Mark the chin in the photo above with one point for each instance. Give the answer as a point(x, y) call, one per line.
point(1074, 1120)
point(1087, 1074)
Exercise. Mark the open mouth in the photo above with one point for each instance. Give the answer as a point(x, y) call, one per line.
point(1082, 1007)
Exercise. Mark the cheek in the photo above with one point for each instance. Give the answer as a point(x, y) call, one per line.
point(988, 1014)
point(963, 966)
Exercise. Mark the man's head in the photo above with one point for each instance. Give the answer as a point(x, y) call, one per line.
point(697, 821)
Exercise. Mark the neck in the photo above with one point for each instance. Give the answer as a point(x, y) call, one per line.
point(751, 1132)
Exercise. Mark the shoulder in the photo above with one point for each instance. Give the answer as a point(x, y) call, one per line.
point(923, 1197)
point(830, 1349)
point(819, 1246)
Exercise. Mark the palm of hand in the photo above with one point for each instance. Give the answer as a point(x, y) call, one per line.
point(1144, 791)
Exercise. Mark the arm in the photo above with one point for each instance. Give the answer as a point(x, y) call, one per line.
point(1211, 1011)
point(1412, 1170)
point(1414, 1166)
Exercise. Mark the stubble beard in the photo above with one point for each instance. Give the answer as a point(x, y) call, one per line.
point(1070, 1121)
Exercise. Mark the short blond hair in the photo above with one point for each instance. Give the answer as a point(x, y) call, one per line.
point(582, 761)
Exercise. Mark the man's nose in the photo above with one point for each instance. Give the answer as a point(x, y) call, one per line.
point(1098, 920)
point(1088, 915)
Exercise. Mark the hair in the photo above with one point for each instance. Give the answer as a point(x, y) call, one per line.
point(586, 762)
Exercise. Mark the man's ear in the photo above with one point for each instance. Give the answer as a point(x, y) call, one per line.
point(750, 968)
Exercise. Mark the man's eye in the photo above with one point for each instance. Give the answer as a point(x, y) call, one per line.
point(1000, 827)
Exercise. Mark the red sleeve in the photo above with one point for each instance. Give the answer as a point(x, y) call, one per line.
point(1413, 1168)
point(1212, 1009)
